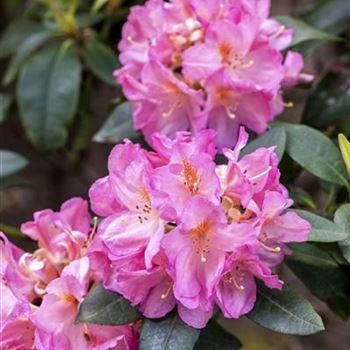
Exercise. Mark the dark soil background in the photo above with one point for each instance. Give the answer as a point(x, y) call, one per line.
point(50, 180)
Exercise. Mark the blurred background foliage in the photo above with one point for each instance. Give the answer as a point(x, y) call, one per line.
point(61, 111)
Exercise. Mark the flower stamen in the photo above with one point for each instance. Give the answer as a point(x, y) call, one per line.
point(229, 278)
point(201, 240)
point(270, 249)
point(267, 170)
point(171, 110)
point(279, 32)
point(246, 65)
point(190, 176)
point(230, 112)
point(167, 292)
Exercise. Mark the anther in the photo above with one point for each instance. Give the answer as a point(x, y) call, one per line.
point(170, 111)
point(238, 286)
point(289, 104)
point(271, 249)
point(247, 65)
point(166, 294)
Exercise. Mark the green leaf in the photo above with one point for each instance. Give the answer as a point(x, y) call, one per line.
point(11, 231)
point(304, 32)
point(342, 219)
point(11, 163)
point(88, 20)
point(5, 104)
point(15, 34)
point(285, 312)
point(344, 145)
point(316, 153)
point(48, 95)
point(322, 276)
point(23, 52)
point(98, 4)
point(329, 102)
point(118, 126)
point(301, 197)
point(106, 308)
point(276, 136)
point(333, 16)
point(323, 230)
point(101, 60)
point(214, 337)
point(169, 333)
point(309, 254)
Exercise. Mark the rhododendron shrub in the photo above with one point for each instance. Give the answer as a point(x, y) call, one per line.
point(179, 230)
point(190, 64)
point(199, 224)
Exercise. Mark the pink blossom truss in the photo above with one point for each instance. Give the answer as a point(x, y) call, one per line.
point(40, 292)
point(179, 230)
point(191, 64)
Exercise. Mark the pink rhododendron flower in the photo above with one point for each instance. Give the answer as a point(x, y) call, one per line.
point(15, 309)
point(61, 238)
point(61, 234)
point(54, 320)
point(137, 226)
point(236, 291)
point(189, 233)
point(196, 249)
point(190, 64)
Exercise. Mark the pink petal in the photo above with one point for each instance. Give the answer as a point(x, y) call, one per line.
point(196, 318)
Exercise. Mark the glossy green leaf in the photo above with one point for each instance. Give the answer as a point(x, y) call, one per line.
point(11, 163)
point(276, 136)
point(342, 219)
point(23, 52)
point(322, 276)
point(304, 32)
point(285, 312)
point(5, 104)
point(309, 254)
point(316, 153)
point(101, 60)
point(329, 102)
point(48, 95)
point(106, 308)
point(323, 230)
point(117, 127)
point(168, 333)
point(344, 145)
point(15, 34)
point(214, 337)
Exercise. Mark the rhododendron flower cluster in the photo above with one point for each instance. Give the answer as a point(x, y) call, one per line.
point(179, 230)
point(41, 291)
point(192, 64)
